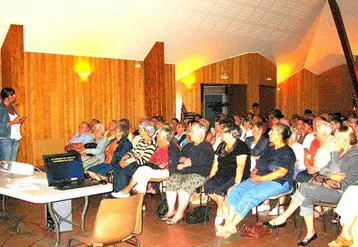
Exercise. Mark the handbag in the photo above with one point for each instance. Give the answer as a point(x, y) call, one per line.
point(258, 230)
point(326, 182)
point(197, 216)
point(163, 208)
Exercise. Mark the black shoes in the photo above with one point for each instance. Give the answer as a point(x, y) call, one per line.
point(267, 224)
point(305, 243)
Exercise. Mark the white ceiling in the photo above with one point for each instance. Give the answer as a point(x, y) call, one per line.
point(292, 33)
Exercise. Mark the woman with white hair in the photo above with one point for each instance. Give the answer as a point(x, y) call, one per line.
point(135, 158)
point(166, 153)
point(189, 174)
point(95, 156)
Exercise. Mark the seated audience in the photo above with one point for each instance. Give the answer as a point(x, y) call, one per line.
point(189, 174)
point(273, 175)
point(257, 143)
point(246, 129)
point(231, 166)
point(336, 123)
point(336, 176)
point(80, 139)
point(135, 158)
point(95, 156)
point(110, 134)
point(174, 122)
point(209, 135)
point(348, 210)
point(180, 137)
point(308, 134)
point(157, 167)
point(114, 152)
point(93, 123)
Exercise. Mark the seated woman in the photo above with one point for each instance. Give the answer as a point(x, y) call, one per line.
point(166, 153)
point(257, 143)
point(110, 134)
point(135, 158)
point(114, 152)
point(189, 174)
point(348, 211)
point(180, 137)
point(95, 156)
point(272, 176)
point(342, 169)
point(231, 166)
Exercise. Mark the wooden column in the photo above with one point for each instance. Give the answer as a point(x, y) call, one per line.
point(154, 77)
point(12, 68)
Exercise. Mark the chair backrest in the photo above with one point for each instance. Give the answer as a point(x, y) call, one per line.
point(118, 219)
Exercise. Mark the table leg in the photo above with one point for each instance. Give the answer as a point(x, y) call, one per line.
point(3, 203)
point(57, 226)
point(84, 214)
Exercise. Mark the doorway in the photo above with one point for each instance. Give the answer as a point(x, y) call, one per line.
point(267, 97)
point(227, 99)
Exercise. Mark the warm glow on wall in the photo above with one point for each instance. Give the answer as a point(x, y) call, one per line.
point(189, 80)
point(83, 68)
point(183, 68)
point(283, 72)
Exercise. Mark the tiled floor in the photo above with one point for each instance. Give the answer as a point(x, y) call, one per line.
point(155, 232)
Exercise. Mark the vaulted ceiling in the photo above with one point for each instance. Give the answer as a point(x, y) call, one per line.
point(293, 34)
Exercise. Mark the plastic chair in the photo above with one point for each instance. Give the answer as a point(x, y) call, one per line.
point(117, 220)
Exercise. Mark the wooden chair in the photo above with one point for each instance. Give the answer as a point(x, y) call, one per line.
point(117, 220)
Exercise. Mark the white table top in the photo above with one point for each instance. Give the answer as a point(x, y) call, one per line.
point(35, 189)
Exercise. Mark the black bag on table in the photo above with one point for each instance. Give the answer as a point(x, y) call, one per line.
point(197, 216)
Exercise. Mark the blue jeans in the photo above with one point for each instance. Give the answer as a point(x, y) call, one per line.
point(248, 194)
point(122, 176)
point(9, 149)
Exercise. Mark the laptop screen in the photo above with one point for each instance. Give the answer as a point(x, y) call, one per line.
point(63, 168)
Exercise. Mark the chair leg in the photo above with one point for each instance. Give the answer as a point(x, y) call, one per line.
point(69, 242)
point(301, 228)
point(338, 224)
point(206, 219)
point(324, 223)
point(137, 241)
point(257, 213)
point(278, 213)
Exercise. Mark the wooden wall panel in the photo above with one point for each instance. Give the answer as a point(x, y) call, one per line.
point(252, 69)
point(169, 90)
point(12, 71)
point(335, 91)
point(57, 100)
point(299, 92)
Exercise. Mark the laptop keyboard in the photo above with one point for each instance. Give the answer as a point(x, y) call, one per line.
point(77, 184)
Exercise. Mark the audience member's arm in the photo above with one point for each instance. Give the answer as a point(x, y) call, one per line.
point(279, 173)
point(101, 146)
point(241, 162)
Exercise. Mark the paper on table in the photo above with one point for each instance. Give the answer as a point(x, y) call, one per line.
point(22, 186)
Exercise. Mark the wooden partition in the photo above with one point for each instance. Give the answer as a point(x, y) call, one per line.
point(251, 69)
point(336, 90)
point(12, 71)
point(299, 92)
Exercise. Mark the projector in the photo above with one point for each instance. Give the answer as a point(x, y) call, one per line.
point(17, 168)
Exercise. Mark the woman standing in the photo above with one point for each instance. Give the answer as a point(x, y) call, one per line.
point(10, 123)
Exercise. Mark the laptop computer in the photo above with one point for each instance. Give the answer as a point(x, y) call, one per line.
point(65, 171)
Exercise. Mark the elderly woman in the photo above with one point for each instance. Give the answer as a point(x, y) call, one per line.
point(110, 134)
point(180, 137)
point(272, 176)
point(189, 174)
point(231, 166)
point(341, 171)
point(114, 152)
point(10, 123)
point(166, 153)
point(135, 158)
point(95, 156)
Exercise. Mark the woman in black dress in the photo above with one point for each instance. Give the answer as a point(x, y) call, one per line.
point(231, 166)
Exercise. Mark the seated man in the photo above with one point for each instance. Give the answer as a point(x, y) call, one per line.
point(81, 138)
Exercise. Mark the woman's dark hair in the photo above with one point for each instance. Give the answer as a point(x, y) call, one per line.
point(261, 125)
point(308, 121)
point(232, 129)
point(6, 92)
point(175, 119)
point(284, 131)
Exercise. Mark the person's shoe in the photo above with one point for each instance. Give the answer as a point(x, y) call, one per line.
point(308, 241)
point(120, 194)
point(274, 211)
point(340, 241)
point(261, 208)
point(173, 222)
point(269, 225)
